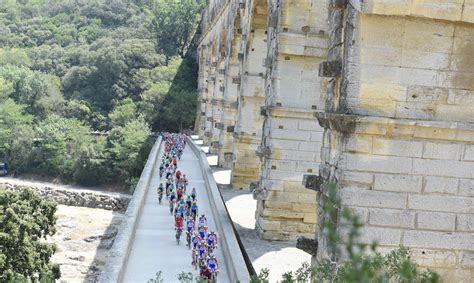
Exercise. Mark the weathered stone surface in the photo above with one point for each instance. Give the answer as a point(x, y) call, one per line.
point(394, 121)
point(72, 198)
point(399, 127)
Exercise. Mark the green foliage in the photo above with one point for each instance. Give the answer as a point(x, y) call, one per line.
point(59, 141)
point(39, 92)
point(14, 56)
point(26, 220)
point(174, 23)
point(177, 111)
point(125, 111)
point(90, 167)
point(130, 145)
point(12, 119)
point(157, 278)
point(361, 262)
point(132, 184)
point(185, 277)
point(262, 277)
point(68, 68)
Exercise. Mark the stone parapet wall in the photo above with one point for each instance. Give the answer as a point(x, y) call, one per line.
point(76, 198)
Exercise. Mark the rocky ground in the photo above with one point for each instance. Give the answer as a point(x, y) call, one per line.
point(84, 236)
point(279, 257)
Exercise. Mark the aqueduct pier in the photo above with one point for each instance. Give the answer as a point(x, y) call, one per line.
point(377, 95)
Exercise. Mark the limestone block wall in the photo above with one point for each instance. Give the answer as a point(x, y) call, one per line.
point(231, 92)
point(217, 105)
point(229, 114)
point(248, 130)
point(297, 43)
point(398, 127)
point(212, 53)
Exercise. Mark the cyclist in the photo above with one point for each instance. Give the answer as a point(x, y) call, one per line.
point(178, 222)
point(160, 192)
point(180, 193)
point(212, 265)
point(205, 273)
point(202, 220)
point(194, 210)
point(212, 239)
point(202, 231)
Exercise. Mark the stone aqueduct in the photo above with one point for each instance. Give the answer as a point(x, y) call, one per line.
point(377, 95)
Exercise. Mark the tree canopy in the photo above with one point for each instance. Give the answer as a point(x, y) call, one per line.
point(26, 220)
point(70, 68)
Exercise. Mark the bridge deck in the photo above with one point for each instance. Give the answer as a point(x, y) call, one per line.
point(154, 247)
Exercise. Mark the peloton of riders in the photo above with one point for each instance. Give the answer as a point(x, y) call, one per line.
point(184, 208)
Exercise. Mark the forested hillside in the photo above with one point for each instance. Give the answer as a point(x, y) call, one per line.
point(71, 68)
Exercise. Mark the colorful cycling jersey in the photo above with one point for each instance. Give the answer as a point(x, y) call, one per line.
point(195, 241)
point(190, 225)
point(202, 232)
point(212, 264)
point(194, 206)
point(181, 210)
point(202, 220)
point(211, 239)
point(202, 250)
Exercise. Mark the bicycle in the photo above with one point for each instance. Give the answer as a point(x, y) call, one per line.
point(188, 239)
point(214, 273)
point(178, 234)
point(171, 207)
point(194, 255)
point(160, 196)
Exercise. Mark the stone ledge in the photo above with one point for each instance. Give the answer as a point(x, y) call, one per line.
point(392, 127)
point(234, 259)
point(287, 112)
point(454, 11)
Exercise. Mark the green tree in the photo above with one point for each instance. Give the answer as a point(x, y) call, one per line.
point(129, 146)
point(38, 91)
point(90, 167)
point(26, 220)
point(177, 111)
point(125, 111)
point(59, 143)
point(14, 56)
point(174, 24)
point(12, 117)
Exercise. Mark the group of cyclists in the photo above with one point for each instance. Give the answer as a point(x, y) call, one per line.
point(184, 209)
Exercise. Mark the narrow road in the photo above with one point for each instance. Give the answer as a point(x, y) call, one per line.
point(154, 248)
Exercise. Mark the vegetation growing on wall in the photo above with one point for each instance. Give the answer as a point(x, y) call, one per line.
point(69, 68)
